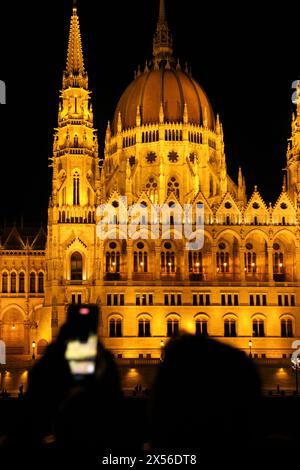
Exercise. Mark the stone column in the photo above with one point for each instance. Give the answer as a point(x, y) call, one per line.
point(213, 261)
point(27, 336)
point(157, 260)
point(242, 263)
point(270, 263)
point(129, 259)
point(297, 270)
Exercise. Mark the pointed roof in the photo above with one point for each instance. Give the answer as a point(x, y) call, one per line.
point(256, 197)
point(163, 41)
point(75, 74)
point(21, 238)
point(39, 241)
point(228, 198)
point(14, 241)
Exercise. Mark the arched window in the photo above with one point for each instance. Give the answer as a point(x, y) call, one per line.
point(76, 140)
point(258, 328)
point(250, 261)
point(229, 327)
point(21, 283)
point(112, 258)
point(173, 187)
point(286, 325)
point(76, 266)
point(222, 259)
point(278, 262)
point(140, 258)
point(168, 259)
point(172, 327)
point(76, 188)
point(13, 283)
point(32, 283)
point(195, 262)
point(152, 189)
point(4, 283)
point(144, 330)
point(201, 327)
point(41, 283)
point(115, 327)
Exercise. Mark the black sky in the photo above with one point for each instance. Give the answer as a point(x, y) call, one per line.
point(244, 57)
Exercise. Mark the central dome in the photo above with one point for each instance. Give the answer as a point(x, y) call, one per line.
point(167, 85)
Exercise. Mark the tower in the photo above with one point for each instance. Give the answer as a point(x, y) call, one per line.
point(75, 187)
point(293, 155)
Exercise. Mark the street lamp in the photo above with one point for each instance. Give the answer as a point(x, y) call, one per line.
point(33, 349)
point(250, 348)
point(296, 367)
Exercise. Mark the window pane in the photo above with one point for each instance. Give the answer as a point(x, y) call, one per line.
point(283, 328)
point(21, 283)
point(41, 283)
point(169, 328)
point(76, 266)
point(141, 328)
point(112, 328)
point(147, 328)
point(119, 328)
point(32, 283)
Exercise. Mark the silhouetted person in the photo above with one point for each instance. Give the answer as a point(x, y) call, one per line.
point(21, 393)
point(85, 415)
point(203, 399)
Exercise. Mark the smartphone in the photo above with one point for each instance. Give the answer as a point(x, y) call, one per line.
point(81, 350)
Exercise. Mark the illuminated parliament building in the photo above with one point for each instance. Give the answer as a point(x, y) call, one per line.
point(165, 145)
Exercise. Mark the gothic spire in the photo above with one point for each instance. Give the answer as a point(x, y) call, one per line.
point(75, 74)
point(163, 41)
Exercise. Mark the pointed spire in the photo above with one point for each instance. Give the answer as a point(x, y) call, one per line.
point(240, 178)
point(161, 114)
point(205, 120)
point(162, 12)
point(185, 114)
point(138, 116)
point(119, 122)
point(108, 133)
point(284, 184)
point(218, 126)
point(75, 74)
point(163, 41)
point(298, 98)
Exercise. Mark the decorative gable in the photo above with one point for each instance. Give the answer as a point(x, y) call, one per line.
point(256, 211)
point(228, 212)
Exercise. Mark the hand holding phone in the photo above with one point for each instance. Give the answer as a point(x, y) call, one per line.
point(81, 350)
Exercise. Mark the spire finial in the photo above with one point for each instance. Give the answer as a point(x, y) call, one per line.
point(163, 42)
point(284, 183)
point(75, 74)
point(162, 12)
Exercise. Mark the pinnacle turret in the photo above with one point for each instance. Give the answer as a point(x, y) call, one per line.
point(75, 74)
point(163, 41)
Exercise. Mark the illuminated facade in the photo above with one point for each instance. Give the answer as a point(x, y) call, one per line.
point(164, 146)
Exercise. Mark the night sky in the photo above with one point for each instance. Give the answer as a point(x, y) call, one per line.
point(244, 58)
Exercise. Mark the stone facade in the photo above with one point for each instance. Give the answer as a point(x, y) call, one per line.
point(165, 147)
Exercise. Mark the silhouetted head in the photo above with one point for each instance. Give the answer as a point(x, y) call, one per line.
point(204, 395)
